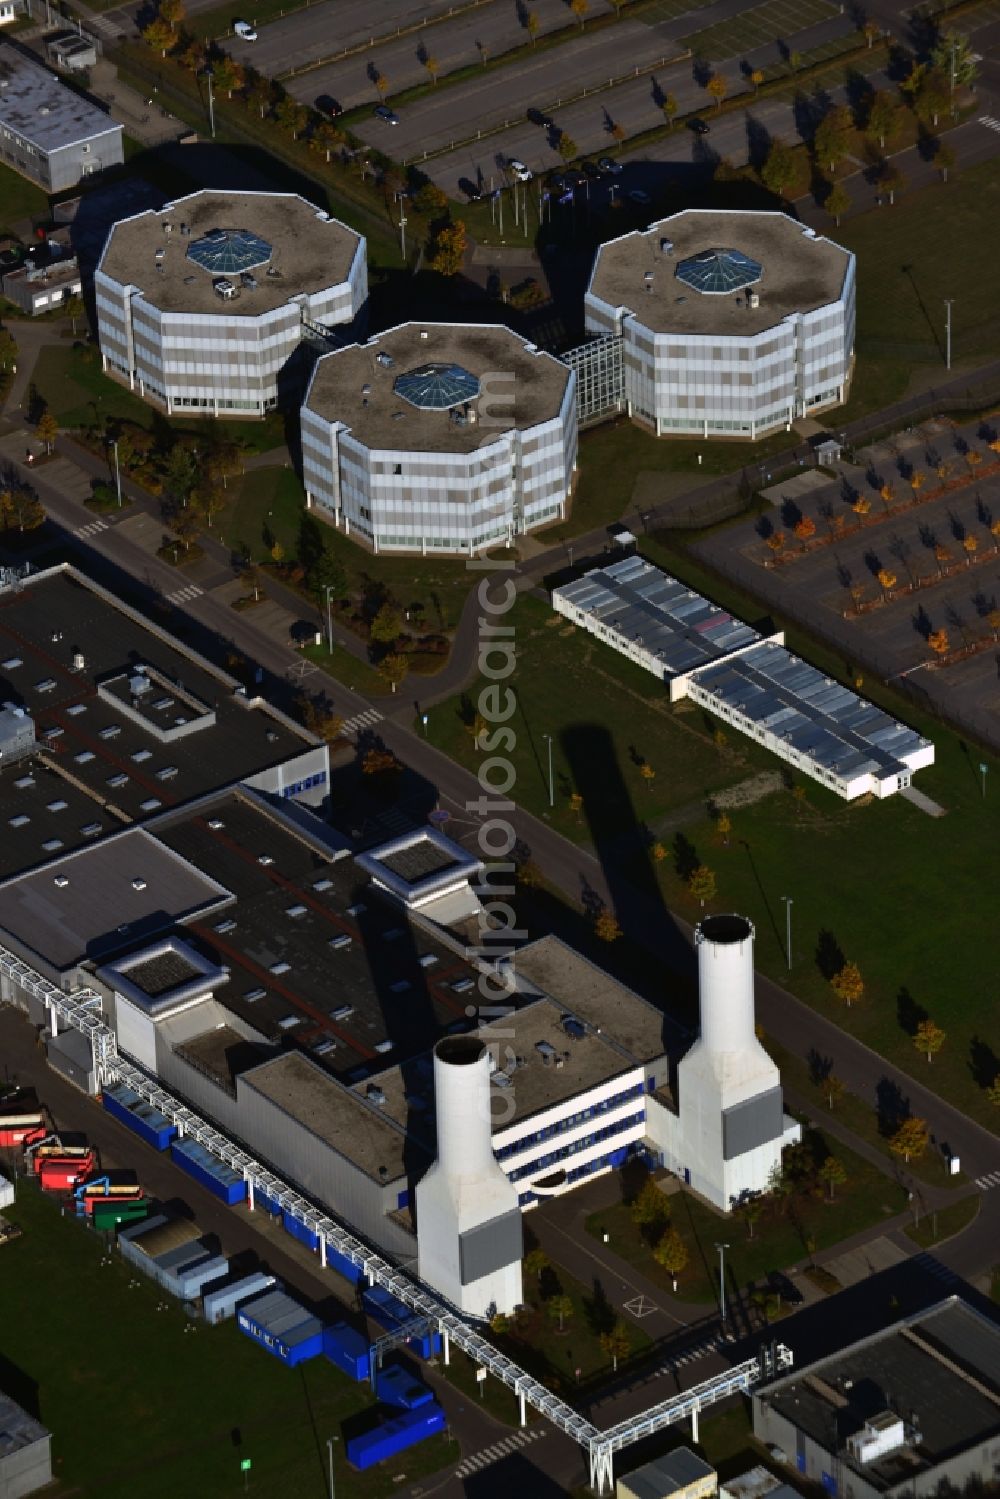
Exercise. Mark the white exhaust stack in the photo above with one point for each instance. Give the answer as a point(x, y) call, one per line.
point(730, 1125)
point(469, 1239)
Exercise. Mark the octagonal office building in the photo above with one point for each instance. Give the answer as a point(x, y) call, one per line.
point(205, 305)
point(439, 437)
point(733, 324)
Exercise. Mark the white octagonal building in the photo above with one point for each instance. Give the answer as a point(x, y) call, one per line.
point(439, 437)
point(205, 305)
point(733, 324)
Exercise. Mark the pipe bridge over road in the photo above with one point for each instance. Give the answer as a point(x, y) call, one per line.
point(83, 1010)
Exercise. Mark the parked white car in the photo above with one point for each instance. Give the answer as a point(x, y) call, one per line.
point(244, 31)
point(520, 171)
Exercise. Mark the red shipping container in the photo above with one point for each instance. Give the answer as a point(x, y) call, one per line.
point(60, 1175)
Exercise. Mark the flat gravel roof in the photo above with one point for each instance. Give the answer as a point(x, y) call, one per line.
point(310, 251)
point(43, 110)
point(356, 386)
point(801, 272)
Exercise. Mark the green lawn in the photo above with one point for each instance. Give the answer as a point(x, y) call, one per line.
point(781, 1238)
point(71, 383)
point(19, 199)
point(606, 717)
point(944, 1223)
point(555, 1356)
point(135, 1399)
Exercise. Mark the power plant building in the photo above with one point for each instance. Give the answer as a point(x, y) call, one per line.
point(752, 682)
point(910, 1411)
point(731, 323)
point(209, 304)
point(439, 437)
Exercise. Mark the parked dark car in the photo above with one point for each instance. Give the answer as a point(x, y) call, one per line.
point(329, 106)
point(591, 169)
point(699, 126)
point(539, 117)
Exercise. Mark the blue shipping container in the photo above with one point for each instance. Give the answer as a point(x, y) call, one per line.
point(343, 1266)
point(299, 1230)
point(266, 1203)
point(291, 1335)
point(348, 1350)
point(220, 1179)
point(384, 1308)
point(395, 1436)
point(395, 1385)
point(149, 1125)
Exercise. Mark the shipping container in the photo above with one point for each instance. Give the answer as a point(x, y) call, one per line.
point(283, 1327)
point(61, 1174)
point(116, 1211)
point(89, 1194)
point(221, 1302)
point(194, 1280)
point(395, 1436)
point(265, 1203)
point(137, 1231)
point(199, 1163)
point(140, 1117)
point(6, 1192)
point(15, 1129)
point(351, 1272)
point(346, 1348)
point(392, 1314)
point(40, 1154)
point(395, 1385)
point(299, 1230)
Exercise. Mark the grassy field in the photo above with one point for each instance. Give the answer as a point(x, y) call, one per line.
point(71, 383)
point(944, 1223)
point(607, 718)
point(561, 1359)
point(19, 199)
point(784, 1237)
point(137, 1400)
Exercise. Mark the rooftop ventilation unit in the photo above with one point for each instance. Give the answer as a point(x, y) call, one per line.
point(224, 288)
point(753, 299)
point(185, 229)
point(385, 360)
point(648, 280)
point(545, 1050)
point(666, 247)
point(139, 684)
point(249, 280)
point(79, 661)
point(375, 1095)
point(168, 228)
point(423, 333)
point(159, 254)
point(273, 272)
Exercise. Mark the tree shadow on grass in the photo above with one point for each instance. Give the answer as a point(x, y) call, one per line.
point(820, 1067)
point(892, 1107)
point(598, 1310)
point(984, 1064)
point(909, 1013)
point(830, 957)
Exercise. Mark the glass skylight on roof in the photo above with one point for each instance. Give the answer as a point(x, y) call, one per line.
point(228, 252)
point(719, 271)
point(436, 387)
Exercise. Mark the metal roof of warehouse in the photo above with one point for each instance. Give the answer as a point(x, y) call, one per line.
point(650, 609)
point(818, 717)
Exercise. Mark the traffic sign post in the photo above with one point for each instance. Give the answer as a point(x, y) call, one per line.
point(983, 768)
point(246, 1463)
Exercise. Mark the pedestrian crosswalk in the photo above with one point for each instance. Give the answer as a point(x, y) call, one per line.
point(984, 1183)
point(501, 1449)
point(989, 122)
point(184, 595)
point(366, 720)
point(690, 1354)
point(91, 528)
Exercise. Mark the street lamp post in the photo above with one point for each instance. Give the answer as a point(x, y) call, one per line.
point(983, 770)
point(329, 1450)
point(947, 333)
point(552, 787)
point(113, 444)
point(722, 1282)
point(211, 102)
point(789, 901)
point(329, 618)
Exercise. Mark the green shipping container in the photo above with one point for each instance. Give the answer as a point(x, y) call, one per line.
point(111, 1214)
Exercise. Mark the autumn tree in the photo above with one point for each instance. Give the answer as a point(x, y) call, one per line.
point(20, 509)
point(229, 76)
point(701, 883)
point(884, 118)
point(381, 85)
point(173, 12)
point(393, 669)
point(450, 246)
point(724, 826)
point(580, 9)
point(756, 78)
point(606, 925)
point(837, 202)
point(651, 1207)
point(832, 1174)
point(433, 67)
point(576, 803)
point(832, 137)
point(938, 642)
point(887, 493)
point(536, 1262)
point(619, 134)
point(159, 36)
point(932, 96)
point(430, 199)
point(531, 25)
point(671, 1254)
point(892, 181)
point(718, 88)
point(387, 624)
point(969, 546)
point(833, 1090)
point(73, 308)
point(917, 480)
point(779, 172)
point(805, 527)
point(617, 1341)
point(776, 540)
point(47, 430)
point(993, 1091)
point(291, 116)
point(668, 104)
point(378, 761)
point(911, 1139)
point(886, 578)
point(861, 505)
point(748, 1207)
point(560, 1308)
point(659, 851)
point(647, 772)
point(566, 146)
point(928, 1039)
point(848, 984)
point(320, 717)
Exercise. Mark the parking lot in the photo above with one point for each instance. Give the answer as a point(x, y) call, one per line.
point(917, 545)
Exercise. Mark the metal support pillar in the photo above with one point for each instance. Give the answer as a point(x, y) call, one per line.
point(524, 1418)
point(694, 1423)
point(322, 1253)
point(447, 1348)
point(251, 1204)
